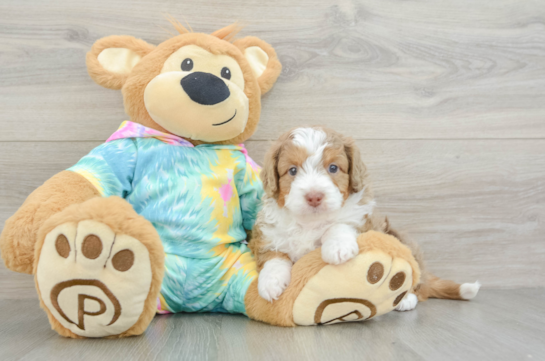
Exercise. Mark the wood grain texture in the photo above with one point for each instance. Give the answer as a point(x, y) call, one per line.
point(497, 325)
point(383, 69)
point(475, 207)
point(447, 99)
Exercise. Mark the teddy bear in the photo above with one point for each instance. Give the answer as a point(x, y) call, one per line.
point(156, 219)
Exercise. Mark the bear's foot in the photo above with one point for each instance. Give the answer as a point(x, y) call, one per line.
point(371, 284)
point(94, 279)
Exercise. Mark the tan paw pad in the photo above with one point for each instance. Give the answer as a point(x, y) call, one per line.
point(369, 285)
point(93, 281)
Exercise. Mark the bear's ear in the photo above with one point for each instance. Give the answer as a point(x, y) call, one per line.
point(111, 59)
point(262, 59)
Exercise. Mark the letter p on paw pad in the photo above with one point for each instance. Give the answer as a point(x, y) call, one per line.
point(93, 281)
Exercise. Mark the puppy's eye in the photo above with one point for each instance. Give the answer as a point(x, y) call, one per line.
point(187, 64)
point(333, 168)
point(226, 73)
point(293, 171)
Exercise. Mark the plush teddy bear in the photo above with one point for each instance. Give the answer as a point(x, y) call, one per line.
point(155, 219)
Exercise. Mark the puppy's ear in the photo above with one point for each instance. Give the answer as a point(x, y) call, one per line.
point(263, 61)
point(269, 174)
point(356, 170)
point(111, 59)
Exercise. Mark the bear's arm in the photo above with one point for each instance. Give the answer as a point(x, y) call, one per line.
point(110, 167)
point(76, 185)
point(20, 230)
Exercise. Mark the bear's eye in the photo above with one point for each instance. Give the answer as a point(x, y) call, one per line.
point(187, 64)
point(333, 168)
point(293, 171)
point(226, 73)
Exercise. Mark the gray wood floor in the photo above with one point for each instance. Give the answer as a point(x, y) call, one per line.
point(498, 325)
point(446, 99)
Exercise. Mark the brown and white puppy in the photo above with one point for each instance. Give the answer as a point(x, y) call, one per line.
point(317, 195)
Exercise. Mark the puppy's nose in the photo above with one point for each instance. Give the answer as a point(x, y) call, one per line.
point(205, 88)
point(314, 198)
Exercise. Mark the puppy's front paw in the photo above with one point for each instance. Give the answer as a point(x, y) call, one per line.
point(274, 278)
point(408, 303)
point(339, 251)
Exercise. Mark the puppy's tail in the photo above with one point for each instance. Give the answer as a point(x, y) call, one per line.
point(435, 287)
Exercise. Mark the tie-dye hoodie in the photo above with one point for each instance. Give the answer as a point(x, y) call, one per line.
point(201, 199)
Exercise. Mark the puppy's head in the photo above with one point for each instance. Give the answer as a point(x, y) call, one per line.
point(313, 170)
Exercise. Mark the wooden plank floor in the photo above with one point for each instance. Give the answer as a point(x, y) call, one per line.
point(446, 99)
point(381, 69)
point(497, 325)
point(475, 218)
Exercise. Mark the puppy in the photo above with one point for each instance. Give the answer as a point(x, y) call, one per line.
point(317, 195)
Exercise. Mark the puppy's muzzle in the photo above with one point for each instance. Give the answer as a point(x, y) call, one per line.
point(314, 199)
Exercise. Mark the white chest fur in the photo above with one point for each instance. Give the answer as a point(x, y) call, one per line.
point(284, 232)
point(295, 239)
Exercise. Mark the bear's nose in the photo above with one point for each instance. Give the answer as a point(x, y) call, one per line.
point(205, 88)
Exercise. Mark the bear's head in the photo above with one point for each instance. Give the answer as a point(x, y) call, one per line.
point(201, 87)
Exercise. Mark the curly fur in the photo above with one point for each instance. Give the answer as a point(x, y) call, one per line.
point(430, 286)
